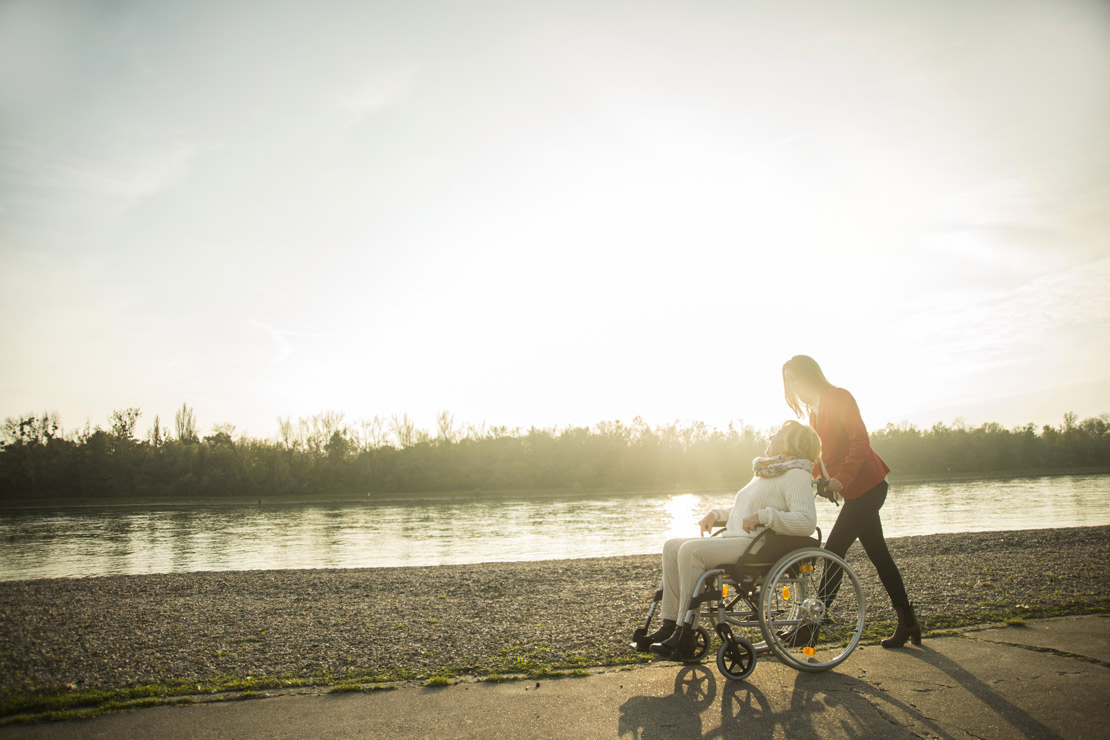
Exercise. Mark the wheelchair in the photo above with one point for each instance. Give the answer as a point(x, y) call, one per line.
point(770, 601)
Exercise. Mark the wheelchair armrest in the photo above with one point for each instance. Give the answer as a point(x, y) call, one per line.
point(765, 534)
point(775, 547)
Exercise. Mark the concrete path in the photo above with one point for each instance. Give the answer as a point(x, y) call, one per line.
point(1050, 679)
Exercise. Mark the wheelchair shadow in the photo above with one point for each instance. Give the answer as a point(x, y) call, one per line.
point(821, 698)
point(678, 716)
point(817, 705)
point(833, 704)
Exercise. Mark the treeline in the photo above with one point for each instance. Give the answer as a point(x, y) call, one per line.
point(323, 455)
point(992, 448)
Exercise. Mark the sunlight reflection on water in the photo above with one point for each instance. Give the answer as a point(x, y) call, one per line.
point(47, 543)
point(682, 514)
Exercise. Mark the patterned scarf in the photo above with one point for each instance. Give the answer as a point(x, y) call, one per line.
point(772, 467)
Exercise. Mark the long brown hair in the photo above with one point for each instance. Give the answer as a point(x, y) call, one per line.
point(804, 368)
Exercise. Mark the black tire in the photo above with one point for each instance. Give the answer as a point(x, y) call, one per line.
point(736, 659)
point(790, 601)
point(702, 639)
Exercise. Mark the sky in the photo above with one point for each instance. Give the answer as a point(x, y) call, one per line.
point(553, 214)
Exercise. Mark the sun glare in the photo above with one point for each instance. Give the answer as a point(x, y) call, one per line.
point(682, 516)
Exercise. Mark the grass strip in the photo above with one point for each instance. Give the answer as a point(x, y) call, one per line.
point(52, 704)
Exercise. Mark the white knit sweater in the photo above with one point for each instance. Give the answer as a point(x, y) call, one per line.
point(784, 503)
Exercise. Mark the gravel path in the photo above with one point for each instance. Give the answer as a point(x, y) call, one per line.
point(333, 624)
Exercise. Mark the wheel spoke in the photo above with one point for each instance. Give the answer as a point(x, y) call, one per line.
point(803, 627)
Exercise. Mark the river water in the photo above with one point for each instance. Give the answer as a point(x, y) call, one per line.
point(50, 543)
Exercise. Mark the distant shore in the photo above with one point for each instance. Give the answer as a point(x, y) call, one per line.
point(479, 495)
point(195, 632)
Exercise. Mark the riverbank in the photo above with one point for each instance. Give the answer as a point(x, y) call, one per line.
point(204, 632)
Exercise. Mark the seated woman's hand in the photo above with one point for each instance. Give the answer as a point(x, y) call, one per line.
point(751, 523)
point(706, 523)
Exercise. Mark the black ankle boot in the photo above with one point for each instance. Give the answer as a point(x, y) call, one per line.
point(665, 630)
point(642, 641)
point(908, 628)
point(804, 635)
point(679, 646)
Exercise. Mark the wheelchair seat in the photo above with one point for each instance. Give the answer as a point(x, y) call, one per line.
point(773, 547)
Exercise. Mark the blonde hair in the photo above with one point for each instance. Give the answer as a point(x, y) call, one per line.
point(802, 441)
point(804, 368)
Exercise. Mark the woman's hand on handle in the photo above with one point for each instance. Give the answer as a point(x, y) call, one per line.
point(834, 485)
point(706, 523)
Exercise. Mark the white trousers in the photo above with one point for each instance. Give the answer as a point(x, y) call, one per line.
point(685, 559)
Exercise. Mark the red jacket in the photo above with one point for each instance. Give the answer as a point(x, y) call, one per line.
point(845, 446)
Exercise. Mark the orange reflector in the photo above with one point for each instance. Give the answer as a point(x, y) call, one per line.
point(724, 591)
point(806, 568)
point(786, 593)
point(809, 651)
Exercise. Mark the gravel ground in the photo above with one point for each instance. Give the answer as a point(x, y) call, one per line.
point(328, 625)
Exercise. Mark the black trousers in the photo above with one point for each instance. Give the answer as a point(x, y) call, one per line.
point(859, 519)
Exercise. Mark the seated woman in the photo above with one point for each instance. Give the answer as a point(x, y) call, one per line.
point(779, 496)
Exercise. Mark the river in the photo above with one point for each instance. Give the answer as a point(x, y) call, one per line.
point(95, 541)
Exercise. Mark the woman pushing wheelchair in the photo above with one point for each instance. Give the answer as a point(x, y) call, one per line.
point(779, 497)
point(858, 474)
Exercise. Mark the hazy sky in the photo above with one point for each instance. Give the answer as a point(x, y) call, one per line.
point(553, 213)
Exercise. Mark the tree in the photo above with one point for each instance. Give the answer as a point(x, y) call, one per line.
point(225, 429)
point(25, 445)
point(287, 434)
point(123, 424)
point(318, 430)
point(445, 428)
point(185, 425)
point(156, 436)
point(404, 430)
point(28, 430)
point(1070, 420)
point(372, 433)
point(338, 447)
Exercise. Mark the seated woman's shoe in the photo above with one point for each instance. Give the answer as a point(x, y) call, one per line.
point(642, 641)
point(666, 629)
point(679, 646)
point(908, 628)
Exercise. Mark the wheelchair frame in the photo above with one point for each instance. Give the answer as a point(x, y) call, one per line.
point(770, 601)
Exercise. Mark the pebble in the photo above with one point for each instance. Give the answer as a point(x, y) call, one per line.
point(114, 631)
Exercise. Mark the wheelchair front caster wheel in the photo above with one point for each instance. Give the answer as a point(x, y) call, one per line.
point(736, 659)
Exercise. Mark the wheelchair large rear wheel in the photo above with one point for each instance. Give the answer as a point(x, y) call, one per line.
point(804, 628)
